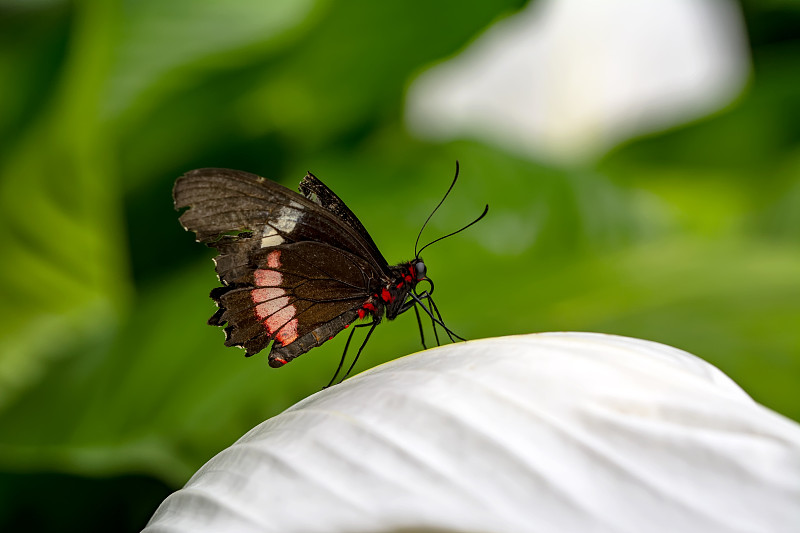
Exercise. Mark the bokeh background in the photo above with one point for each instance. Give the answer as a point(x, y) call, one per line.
point(641, 161)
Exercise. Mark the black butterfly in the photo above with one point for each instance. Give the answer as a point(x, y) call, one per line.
point(296, 269)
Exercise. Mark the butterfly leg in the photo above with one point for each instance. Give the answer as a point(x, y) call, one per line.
point(353, 364)
point(439, 321)
point(421, 332)
point(433, 324)
point(344, 353)
point(417, 299)
point(438, 314)
point(413, 303)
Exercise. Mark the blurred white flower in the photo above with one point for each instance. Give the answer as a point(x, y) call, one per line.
point(548, 432)
point(568, 79)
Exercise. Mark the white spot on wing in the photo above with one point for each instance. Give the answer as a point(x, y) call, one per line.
point(271, 240)
point(285, 220)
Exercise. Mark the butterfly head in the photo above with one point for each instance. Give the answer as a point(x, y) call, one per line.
point(419, 269)
point(419, 273)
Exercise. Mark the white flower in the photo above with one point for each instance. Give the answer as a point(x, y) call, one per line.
point(550, 432)
point(570, 79)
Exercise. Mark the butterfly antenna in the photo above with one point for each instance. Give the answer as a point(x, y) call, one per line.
point(485, 210)
point(416, 253)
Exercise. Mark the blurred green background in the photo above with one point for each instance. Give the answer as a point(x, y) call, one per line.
point(112, 388)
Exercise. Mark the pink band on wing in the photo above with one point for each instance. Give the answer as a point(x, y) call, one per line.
point(274, 259)
point(288, 333)
point(267, 278)
point(271, 307)
point(275, 321)
point(263, 295)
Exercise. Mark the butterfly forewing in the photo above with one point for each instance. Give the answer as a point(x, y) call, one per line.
point(316, 191)
point(231, 206)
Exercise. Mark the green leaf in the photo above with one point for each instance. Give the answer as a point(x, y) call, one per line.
point(64, 268)
point(168, 46)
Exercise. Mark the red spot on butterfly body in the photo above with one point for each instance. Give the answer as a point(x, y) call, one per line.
point(278, 362)
point(368, 307)
point(386, 296)
point(400, 285)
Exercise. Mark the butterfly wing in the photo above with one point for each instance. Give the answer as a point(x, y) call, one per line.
point(240, 213)
point(316, 191)
point(299, 295)
point(293, 270)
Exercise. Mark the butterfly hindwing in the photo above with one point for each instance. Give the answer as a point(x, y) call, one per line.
point(299, 295)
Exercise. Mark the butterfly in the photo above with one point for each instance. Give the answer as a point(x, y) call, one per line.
point(297, 269)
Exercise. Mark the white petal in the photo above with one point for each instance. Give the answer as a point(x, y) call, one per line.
point(572, 78)
point(548, 432)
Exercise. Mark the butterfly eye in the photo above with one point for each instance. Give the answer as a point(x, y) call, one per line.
point(420, 269)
